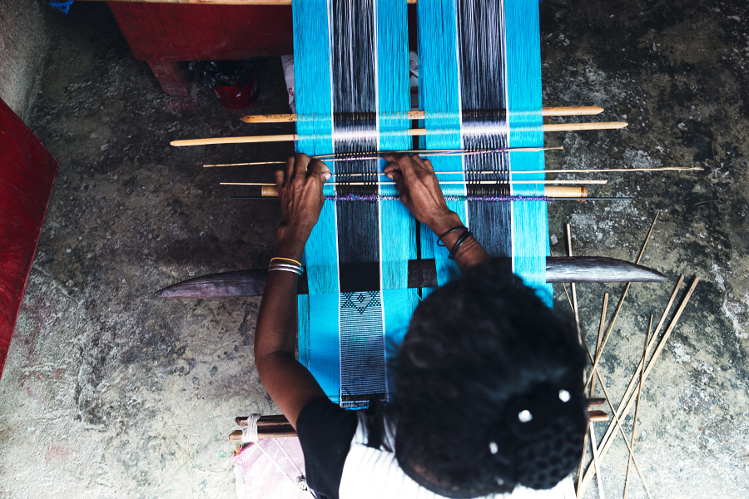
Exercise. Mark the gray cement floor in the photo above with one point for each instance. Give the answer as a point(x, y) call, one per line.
point(108, 392)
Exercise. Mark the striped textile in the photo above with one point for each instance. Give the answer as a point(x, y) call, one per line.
point(352, 95)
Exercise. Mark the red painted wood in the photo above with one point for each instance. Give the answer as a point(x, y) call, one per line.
point(173, 77)
point(170, 32)
point(27, 171)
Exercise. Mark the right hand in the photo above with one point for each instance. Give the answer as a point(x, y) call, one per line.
point(300, 189)
point(420, 191)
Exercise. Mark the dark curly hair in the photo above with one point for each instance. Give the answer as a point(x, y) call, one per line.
point(482, 355)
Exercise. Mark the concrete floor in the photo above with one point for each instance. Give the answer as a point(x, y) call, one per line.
point(108, 392)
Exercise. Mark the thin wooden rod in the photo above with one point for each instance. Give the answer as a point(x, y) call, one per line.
point(618, 425)
point(576, 192)
point(621, 300)
point(621, 430)
point(430, 152)
point(601, 325)
point(291, 137)
point(419, 115)
point(627, 399)
point(452, 182)
point(637, 405)
point(574, 292)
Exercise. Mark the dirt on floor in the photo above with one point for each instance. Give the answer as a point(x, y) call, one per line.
point(108, 392)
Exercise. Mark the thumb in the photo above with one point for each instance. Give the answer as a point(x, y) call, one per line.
point(319, 171)
point(397, 177)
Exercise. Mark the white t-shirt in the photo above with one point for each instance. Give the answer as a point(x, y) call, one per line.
point(370, 473)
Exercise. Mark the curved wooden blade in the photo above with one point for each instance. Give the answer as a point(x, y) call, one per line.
point(421, 274)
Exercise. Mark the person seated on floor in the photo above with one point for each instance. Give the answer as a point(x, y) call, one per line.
point(486, 387)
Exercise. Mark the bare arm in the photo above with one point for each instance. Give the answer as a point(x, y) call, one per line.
point(289, 384)
point(420, 192)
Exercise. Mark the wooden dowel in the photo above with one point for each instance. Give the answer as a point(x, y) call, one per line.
point(560, 127)
point(552, 191)
point(449, 182)
point(236, 435)
point(419, 115)
point(598, 416)
point(277, 426)
point(627, 399)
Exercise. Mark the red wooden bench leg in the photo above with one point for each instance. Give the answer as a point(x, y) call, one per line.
point(173, 77)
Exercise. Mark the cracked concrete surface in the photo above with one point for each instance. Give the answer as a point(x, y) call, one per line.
point(110, 393)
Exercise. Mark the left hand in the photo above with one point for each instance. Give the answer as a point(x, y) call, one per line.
point(300, 190)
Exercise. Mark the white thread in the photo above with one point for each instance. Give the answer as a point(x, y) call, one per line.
point(249, 433)
point(300, 482)
point(289, 457)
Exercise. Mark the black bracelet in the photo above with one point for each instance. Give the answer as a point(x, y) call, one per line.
point(463, 237)
point(439, 238)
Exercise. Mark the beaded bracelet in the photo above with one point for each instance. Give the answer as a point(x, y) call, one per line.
point(439, 238)
point(463, 237)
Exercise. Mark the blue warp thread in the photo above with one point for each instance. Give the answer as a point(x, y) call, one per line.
point(530, 227)
point(319, 342)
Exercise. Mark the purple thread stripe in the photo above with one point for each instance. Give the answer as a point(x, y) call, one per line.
point(377, 197)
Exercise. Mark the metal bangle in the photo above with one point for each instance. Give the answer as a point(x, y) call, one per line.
point(286, 267)
point(463, 237)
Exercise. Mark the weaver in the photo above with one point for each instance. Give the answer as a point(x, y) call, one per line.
point(486, 384)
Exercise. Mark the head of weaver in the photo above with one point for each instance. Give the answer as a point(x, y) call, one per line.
point(488, 389)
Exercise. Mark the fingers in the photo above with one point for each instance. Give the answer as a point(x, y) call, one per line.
point(424, 163)
point(280, 176)
point(391, 168)
point(290, 167)
point(396, 176)
point(319, 170)
point(300, 166)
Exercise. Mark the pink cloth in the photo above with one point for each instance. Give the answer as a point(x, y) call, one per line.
point(257, 477)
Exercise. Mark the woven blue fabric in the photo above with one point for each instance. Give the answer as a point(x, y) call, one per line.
point(529, 218)
point(318, 313)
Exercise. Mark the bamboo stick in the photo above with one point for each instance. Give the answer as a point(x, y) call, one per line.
point(621, 300)
point(581, 339)
point(552, 191)
point(601, 325)
point(419, 115)
point(560, 127)
point(624, 407)
point(598, 416)
point(637, 405)
point(450, 182)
